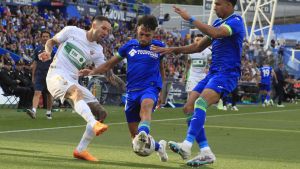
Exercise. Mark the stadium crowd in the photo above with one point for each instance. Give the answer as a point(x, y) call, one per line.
point(21, 27)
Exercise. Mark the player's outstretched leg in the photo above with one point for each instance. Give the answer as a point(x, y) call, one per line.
point(81, 150)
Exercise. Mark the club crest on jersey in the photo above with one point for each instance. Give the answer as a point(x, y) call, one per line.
point(132, 52)
point(92, 52)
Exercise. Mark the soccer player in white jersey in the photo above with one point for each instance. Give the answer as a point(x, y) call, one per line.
point(197, 66)
point(77, 48)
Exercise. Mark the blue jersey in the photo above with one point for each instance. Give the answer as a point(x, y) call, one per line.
point(227, 51)
point(266, 75)
point(143, 65)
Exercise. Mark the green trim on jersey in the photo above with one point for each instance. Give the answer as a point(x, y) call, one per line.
point(228, 28)
point(75, 55)
point(119, 56)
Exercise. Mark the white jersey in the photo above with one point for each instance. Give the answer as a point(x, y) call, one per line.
point(198, 64)
point(75, 51)
point(198, 68)
point(73, 54)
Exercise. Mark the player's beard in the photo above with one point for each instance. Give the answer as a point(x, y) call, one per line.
point(144, 44)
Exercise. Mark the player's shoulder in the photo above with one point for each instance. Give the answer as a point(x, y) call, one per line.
point(158, 43)
point(236, 17)
point(132, 42)
point(74, 29)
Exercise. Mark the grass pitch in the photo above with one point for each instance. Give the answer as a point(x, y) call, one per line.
point(252, 138)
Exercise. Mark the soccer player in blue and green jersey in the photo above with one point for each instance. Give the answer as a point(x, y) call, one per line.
point(145, 75)
point(226, 36)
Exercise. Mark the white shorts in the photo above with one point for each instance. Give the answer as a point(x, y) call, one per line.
point(58, 83)
point(192, 83)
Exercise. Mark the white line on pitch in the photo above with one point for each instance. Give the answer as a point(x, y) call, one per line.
point(240, 128)
point(213, 116)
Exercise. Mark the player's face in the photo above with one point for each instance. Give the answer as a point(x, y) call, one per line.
point(222, 7)
point(144, 35)
point(101, 30)
point(45, 37)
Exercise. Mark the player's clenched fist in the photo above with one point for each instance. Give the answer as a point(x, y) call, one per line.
point(45, 56)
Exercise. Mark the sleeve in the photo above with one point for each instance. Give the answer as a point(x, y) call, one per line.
point(64, 34)
point(122, 52)
point(100, 59)
point(161, 44)
point(54, 50)
point(234, 25)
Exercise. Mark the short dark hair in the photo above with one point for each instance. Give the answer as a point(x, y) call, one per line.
point(233, 2)
point(46, 32)
point(101, 18)
point(148, 21)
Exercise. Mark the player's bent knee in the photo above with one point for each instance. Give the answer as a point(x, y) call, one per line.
point(98, 111)
point(188, 109)
point(147, 104)
point(74, 93)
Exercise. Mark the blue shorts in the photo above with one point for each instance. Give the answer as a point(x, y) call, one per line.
point(40, 82)
point(220, 82)
point(266, 87)
point(134, 100)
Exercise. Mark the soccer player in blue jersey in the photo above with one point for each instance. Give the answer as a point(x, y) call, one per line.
point(226, 37)
point(266, 74)
point(145, 74)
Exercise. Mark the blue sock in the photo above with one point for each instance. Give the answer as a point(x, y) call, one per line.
point(156, 146)
point(198, 120)
point(262, 98)
point(268, 97)
point(201, 139)
point(144, 126)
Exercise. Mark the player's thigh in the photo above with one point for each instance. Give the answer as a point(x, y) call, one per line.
point(40, 83)
point(149, 99)
point(201, 84)
point(132, 107)
point(58, 85)
point(219, 86)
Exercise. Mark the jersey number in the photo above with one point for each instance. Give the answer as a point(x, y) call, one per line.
point(266, 72)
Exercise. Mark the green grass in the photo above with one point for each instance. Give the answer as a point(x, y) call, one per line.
point(248, 139)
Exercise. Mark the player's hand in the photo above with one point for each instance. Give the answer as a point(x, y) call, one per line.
point(161, 50)
point(84, 72)
point(45, 56)
point(183, 13)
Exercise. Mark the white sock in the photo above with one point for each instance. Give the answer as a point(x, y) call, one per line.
point(84, 111)
point(34, 109)
point(205, 149)
point(48, 112)
point(187, 144)
point(87, 137)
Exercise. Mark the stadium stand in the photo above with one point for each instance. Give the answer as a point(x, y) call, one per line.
point(21, 26)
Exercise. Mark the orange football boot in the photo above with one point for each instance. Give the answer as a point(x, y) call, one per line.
point(99, 128)
point(84, 155)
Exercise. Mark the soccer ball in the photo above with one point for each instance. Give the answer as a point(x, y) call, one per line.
point(147, 150)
